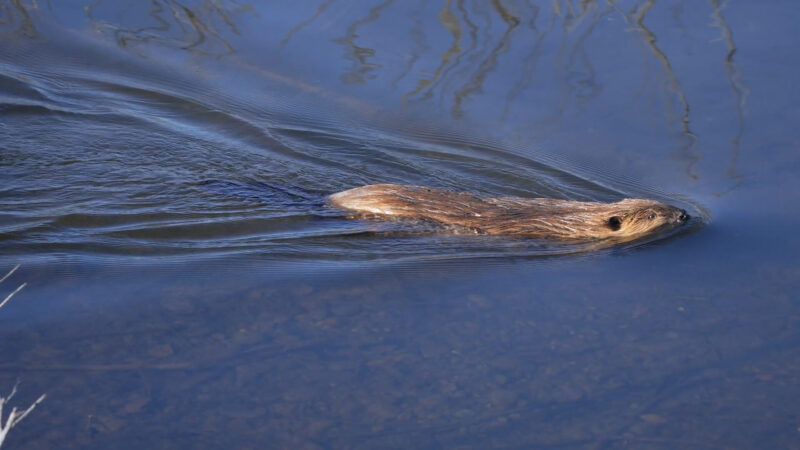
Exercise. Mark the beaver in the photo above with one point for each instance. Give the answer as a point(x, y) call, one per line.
point(542, 218)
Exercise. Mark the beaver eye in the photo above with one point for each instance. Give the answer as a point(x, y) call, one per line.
point(614, 223)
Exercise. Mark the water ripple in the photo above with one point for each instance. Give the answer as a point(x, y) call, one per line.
point(118, 159)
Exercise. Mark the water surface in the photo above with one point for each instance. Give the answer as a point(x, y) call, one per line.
point(163, 168)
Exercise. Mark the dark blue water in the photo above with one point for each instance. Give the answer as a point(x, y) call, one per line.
point(162, 170)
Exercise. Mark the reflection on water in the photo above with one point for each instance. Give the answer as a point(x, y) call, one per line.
point(164, 203)
point(686, 150)
point(463, 67)
point(488, 50)
point(451, 23)
point(740, 91)
point(579, 78)
point(530, 62)
point(170, 23)
point(359, 55)
point(475, 81)
point(164, 167)
point(16, 15)
point(320, 9)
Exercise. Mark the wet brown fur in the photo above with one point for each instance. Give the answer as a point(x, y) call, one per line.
point(531, 217)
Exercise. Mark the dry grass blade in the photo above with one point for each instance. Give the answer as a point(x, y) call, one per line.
point(3, 303)
point(15, 416)
point(10, 272)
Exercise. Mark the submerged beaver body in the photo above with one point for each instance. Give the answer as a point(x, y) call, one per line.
point(531, 217)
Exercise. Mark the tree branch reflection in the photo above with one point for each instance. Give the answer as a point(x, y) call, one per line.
point(196, 28)
point(320, 9)
point(475, 83)
point(450, 22)
point(740, 91)
point(359, 55)
point(16, 12)
point(673, 84)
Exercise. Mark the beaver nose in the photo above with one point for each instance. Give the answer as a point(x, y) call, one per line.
point(683, 217)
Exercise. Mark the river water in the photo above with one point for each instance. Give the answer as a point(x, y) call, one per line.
point(163, 169)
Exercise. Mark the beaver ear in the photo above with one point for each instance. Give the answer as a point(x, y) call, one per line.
point(614, 223)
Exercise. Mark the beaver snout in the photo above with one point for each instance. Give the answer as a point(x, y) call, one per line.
point(683, 217)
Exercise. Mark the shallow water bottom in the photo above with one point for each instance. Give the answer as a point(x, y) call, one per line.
point(254, 353)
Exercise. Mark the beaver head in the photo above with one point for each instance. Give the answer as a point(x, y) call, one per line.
point(636, 217)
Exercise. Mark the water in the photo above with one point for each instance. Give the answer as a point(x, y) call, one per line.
point(162, 170)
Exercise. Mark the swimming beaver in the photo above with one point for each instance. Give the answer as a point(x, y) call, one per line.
point(532, 217)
